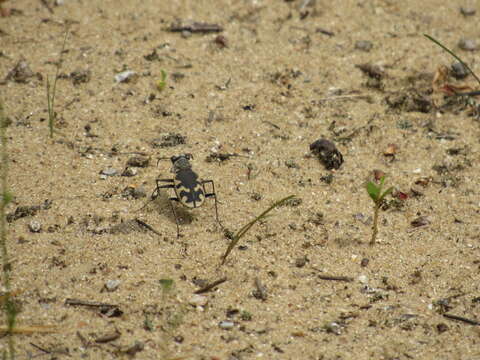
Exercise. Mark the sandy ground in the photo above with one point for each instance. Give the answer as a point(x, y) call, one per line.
point(279, 77)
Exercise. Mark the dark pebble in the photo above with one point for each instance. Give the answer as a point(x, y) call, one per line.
point(441, 328)
point(459, 71)
point(178, 339)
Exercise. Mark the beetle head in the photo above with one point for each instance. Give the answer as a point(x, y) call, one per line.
point(181, 162)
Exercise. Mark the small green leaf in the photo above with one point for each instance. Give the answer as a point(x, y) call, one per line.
point(166, 284)
point(373, 190)
point(163, 81)
point(385, 193)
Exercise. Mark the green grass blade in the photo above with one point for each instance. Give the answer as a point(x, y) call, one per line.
point(453, 54)
point(246, 227)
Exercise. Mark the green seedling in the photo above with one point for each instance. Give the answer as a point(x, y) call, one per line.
point(163, 81)
point(51, 89)
point(376, 194)
point(453, 54)
point(236, 238)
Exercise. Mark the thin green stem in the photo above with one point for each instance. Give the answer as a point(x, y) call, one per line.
point(375, 224)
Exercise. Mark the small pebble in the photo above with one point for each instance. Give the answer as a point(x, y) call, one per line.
point(468, 44)
point(186, 34)
point(334, 91)
point(467, 11)
point(35, 226)
point(364, 45)
point(364, 262)
point(301, 261)
point(130, 172)
point(125, 76)
point(363, 279)
point(112, 285)
point(109, 172)
point(459, 71)
point(226, 325)
point(333, 328)
point(198, 300)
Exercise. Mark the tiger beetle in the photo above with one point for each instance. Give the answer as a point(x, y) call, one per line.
point(189, 190)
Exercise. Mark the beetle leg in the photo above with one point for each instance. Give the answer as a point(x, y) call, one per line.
point(175, 214)
point(212, 194)
point(155, 192)
point(169, 186)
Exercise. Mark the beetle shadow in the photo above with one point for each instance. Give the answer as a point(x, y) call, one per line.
point(164, 206)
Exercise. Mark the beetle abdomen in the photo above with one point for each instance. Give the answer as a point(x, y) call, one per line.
point(189, 191)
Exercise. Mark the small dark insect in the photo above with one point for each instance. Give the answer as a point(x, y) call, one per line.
point(328, 153)
point(189, 190)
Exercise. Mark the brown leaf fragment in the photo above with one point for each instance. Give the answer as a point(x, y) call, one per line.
point(391, 150)
point(440, 77)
